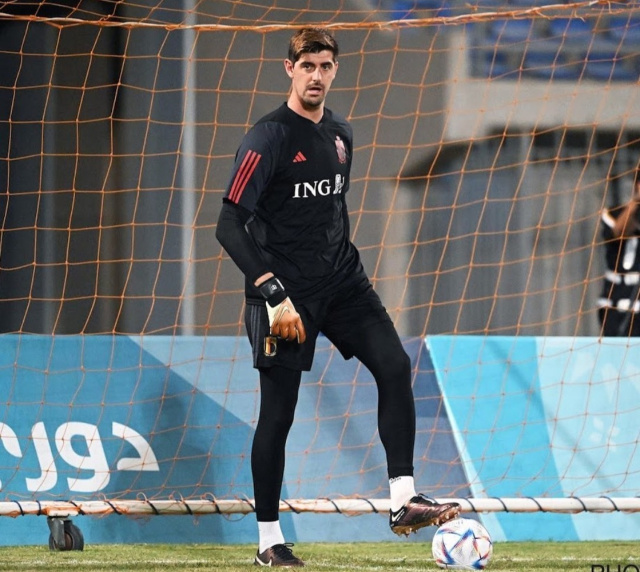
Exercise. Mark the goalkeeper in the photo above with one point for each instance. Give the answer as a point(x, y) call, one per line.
point(284, 223)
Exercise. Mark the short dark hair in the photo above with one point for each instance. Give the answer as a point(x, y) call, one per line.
point(311, 41)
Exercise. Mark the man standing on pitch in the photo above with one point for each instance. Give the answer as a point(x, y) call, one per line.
point(284, 223)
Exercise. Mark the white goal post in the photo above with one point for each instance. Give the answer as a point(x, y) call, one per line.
point(346, 506)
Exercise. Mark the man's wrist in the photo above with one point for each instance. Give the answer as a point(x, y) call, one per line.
point(272, 291)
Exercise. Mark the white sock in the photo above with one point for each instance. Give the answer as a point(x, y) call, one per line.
point(401, 489)
point(270, 534)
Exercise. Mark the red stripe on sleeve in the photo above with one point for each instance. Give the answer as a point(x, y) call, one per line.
point(247, 167)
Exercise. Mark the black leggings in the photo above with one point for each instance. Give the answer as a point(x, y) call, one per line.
point(380, 350)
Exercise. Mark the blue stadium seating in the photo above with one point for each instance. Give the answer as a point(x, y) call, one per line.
point(607, 66)
point(532, 3)
point(570, 30)
point(550, 65)
point(510, 48)
point(622, 29)
point(408, 9)
point(511, 31)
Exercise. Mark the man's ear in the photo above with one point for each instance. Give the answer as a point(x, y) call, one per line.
point(288, 66)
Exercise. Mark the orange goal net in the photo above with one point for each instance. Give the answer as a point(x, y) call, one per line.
point(490, 140)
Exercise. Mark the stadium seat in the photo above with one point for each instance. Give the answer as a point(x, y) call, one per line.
point(624, 30)
point(550, 65)
point(484, 4)
point(570, 30)
point(608, 66)
point(511, 31)
point(532, 3)
point(408, 9)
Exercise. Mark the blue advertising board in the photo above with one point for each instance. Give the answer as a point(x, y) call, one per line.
point(118, 417)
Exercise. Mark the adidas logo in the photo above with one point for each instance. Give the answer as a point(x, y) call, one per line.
point(299, 158)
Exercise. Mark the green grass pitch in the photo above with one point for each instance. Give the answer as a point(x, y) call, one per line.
point(398, 556)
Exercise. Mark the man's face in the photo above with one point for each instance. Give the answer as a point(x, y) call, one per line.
point(311, 77)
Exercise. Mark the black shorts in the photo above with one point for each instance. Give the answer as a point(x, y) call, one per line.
point(339, 317)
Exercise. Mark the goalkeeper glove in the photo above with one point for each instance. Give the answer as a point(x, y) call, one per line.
point(284, 321)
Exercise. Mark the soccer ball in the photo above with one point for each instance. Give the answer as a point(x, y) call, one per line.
point(462, 544)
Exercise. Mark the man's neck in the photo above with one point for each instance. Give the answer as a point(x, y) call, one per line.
point(314, 114)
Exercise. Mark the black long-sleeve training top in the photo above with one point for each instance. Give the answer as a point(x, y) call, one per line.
point(284, 208)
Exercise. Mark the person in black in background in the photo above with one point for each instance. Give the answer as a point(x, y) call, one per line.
point(284, 222)
point(619, 304)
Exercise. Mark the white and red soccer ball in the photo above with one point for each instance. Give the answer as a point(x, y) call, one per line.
point(462, 544)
